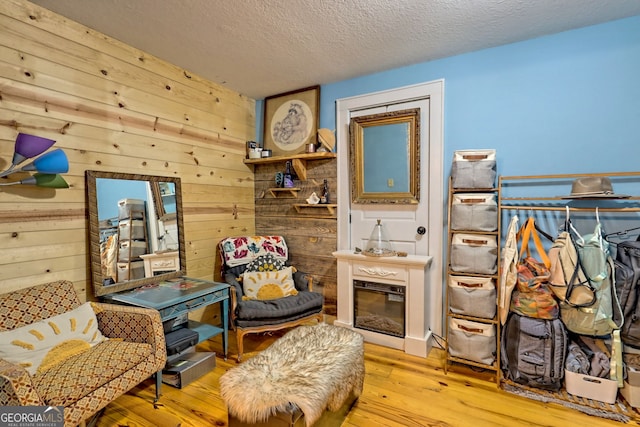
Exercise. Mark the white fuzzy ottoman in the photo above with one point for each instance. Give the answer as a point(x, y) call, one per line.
point(308, 370)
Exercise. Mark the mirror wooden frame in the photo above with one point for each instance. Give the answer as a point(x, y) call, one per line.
point(99, 288)
point(410, 145)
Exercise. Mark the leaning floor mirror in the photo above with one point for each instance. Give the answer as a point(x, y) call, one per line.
point(132, 219)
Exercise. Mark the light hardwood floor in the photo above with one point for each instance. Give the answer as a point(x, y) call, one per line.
point(399, 390)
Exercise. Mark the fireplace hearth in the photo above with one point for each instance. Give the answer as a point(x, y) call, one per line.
point(385, 299)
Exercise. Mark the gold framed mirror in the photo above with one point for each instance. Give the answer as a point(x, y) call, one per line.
point(141, 213)
point(385, 157)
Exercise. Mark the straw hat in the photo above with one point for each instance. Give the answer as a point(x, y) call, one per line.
point(327, 138)
point(593, 187)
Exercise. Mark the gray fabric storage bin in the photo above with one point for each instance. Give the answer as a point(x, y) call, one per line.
point(472, 341)
point(130, 208)
point(130, 271)
point(472, 296)
point(131, 229)
point(474, 169)
point(130, 249)
point(474, 253)
point(474, 212)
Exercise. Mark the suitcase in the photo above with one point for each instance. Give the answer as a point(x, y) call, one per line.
point(180, 340)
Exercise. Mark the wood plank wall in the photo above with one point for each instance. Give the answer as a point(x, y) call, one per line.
point(311, 234)
point(112, 107)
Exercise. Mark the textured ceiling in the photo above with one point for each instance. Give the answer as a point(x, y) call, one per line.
point(264, 47)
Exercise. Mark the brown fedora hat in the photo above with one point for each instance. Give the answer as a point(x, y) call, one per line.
point(593, 187)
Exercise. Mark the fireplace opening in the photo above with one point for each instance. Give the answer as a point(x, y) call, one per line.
point(379, 307)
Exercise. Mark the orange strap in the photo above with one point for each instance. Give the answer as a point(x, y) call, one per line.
point(529, 231)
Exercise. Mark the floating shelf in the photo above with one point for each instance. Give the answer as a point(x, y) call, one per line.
point(298, 161)
point(292, 191)
point(330, 207)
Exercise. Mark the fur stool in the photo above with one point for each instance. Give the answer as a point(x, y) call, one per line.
point(308, 370)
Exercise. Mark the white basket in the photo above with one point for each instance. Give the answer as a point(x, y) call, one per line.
point(474, 212)
point(472, 296)
point(474, 253)
point(474, 168)
point(472, 341)
point(131, 229)
point(130, 208)
point(130, 249)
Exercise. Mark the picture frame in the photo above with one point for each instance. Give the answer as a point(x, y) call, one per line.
point(291, 121)
point(384, 154)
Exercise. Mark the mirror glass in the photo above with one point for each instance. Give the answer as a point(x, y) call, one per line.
point(135, 230)
point(385, 157)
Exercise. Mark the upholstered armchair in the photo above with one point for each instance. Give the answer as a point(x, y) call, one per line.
point(267, 293)
point(56, 351)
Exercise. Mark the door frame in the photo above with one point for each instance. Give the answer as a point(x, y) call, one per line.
point(434, 91)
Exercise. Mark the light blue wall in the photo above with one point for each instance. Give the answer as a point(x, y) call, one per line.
point(566, 103)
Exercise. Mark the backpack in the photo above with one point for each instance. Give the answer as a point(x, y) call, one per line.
point(627, 274)
point(533, 351)
point(582, 279)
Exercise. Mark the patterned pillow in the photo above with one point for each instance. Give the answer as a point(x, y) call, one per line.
point(265, 263)
point(43, 344)
point(266, 285)
point(244, 249)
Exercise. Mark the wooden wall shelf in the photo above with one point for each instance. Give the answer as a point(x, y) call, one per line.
point(293, 192)
point(298, 161)
point(330, 207)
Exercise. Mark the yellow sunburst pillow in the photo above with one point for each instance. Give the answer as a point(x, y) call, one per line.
point(43, 344)
point(266, 285)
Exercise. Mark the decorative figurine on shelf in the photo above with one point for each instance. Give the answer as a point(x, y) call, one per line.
point(324, 196)
point(279, 179)
point(288, 177)
point(313, 199)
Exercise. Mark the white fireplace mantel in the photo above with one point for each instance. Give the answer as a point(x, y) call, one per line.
point(409, 271)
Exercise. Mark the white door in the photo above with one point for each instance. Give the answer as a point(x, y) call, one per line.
point(405, 225)
point(355, 222)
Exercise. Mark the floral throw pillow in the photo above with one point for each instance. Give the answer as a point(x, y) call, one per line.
point(244, 249)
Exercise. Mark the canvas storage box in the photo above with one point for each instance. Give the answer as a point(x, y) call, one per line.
point(472, 340)
point(631, 389)
point(601, 389)
point(131, 229)
point(473, 169)
point(130, 208)
point(631, 394)
point(130, 249)
point(474, 253)
point(472, 296)
point(136, 268)
point(474, 212)
point(188, 368)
